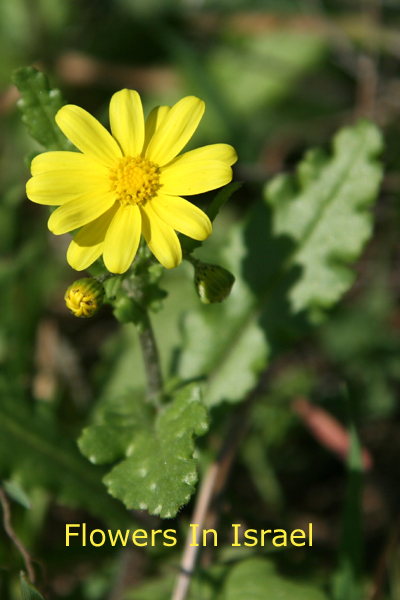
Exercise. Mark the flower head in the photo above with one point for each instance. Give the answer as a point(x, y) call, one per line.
point(212, 282)
point(84, 297)
point(131, 182)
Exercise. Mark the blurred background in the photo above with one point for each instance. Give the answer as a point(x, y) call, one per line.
point(277, 77)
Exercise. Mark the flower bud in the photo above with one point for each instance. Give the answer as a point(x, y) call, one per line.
point(212, 282)
point(84, 297)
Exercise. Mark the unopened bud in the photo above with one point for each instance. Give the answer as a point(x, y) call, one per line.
point(84, 297)
point(212, 282)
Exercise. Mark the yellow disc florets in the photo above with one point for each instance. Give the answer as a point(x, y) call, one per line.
point(84, 297)
point(134, 180)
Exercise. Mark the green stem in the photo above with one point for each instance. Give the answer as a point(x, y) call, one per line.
point(151, 359)
point(103, 278)
point(187, 256)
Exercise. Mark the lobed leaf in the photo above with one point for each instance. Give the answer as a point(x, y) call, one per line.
point(39, 105)
point(157, 471)
point(291, 262)
point(252, 578)
point(325, 210)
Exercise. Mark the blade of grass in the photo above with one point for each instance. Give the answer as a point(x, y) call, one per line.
point(346, 582)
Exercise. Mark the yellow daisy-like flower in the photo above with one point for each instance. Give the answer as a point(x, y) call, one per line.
point(130, 182)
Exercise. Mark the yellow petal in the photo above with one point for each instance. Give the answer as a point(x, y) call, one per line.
point(88, 135)
point(194, 177)
point(153, 122)
point(175, 130)
point(222, 152)
point(58, 187)
point(87, 245)
point(161, 238)
point(127, 121)
point(80, 211)
point(64, 161)
point(122, 239)
point(182, 215)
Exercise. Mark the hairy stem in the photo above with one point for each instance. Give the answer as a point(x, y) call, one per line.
point(151, 359)
point(148, 343)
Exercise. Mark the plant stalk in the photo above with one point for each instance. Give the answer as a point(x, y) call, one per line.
point(13, 537)
point(151, 359)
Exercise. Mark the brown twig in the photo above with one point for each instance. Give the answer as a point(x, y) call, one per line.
point(367, 83)
point(13, 537)
point(327, 430)
point(367, 65)
point(190, 552)
point(214, 482)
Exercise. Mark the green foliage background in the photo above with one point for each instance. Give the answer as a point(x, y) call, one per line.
point(312, 239)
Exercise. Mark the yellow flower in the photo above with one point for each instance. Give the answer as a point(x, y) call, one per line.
point(84, 297)
point(130, 182)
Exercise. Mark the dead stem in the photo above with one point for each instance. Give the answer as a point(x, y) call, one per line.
point(13, 537)
point(206, 509)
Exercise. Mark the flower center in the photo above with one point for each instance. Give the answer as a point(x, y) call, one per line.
point(134, 180)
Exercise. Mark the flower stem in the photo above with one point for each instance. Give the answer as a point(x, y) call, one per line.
point(148, 344)
point(151, 359)
point(187, 256)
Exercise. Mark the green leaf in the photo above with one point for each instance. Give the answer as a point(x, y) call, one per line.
point(325, 210)
point(153, 589)
point(127, 310)
point(290, 259)
point(255, 579)
point(256, 459)
point(347, 579)
point(112, 286)
point(28, 590)
point(39, 105)
point(40, 455)
point(157, 471)
point(17, 493)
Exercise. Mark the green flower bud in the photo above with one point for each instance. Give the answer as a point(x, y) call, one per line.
point(84, 297)
point(212, 282)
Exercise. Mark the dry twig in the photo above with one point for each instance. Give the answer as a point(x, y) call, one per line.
point(206, 509)
point(13, 537)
